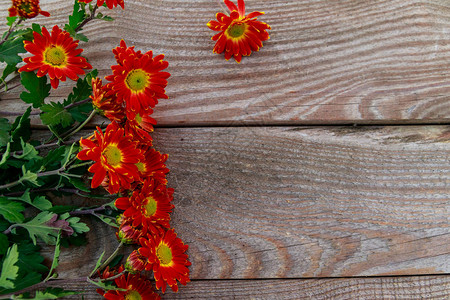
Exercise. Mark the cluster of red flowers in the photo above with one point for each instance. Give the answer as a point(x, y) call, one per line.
point(126, 163)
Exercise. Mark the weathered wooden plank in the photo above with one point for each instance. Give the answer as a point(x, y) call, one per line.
point(326, 62)
point(415, 287)
point(295, 202)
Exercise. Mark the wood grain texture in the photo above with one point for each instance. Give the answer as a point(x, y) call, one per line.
point(407, 288)
point(296, 202)
point(327, 62)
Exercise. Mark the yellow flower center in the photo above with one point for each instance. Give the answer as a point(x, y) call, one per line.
point(138, 119)
point(55, 56)
point(113, 155)
point(236, 30)
point(164, 254)
point(26, 7)
point(136, 80)
point(150, 207)
point(133, 295)
point(141, 167)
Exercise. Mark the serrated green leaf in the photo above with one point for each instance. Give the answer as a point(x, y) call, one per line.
point(9, 268)
point(77, 16)
point(10, 20)
point(37, 228)
point(23, 281)
point(29, 257)
point(4, 243)
point(40, 202)
point(55, 114)
point(5, 128)
point(53, 156)
point(9, 51)
point(21, 127)
point(77, 226)
point(38, 88)
point(28, 151)
point(11, 210)
point(55, 261)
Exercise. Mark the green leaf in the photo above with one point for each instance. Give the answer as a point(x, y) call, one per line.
point(36, 27)
point(55, 261)
point(99, 261)
point(90, 75)
point(79, 184)
point(37, 228)
point(29, 176)
point(77, 16)
point(53, 156)
point(9, 51)
point(11, 210)
point(107, 18)
point(5, 155)
point(38, 88)
point(8, 70)
point(21, 127)
point(5, 127)
point(55, 114)
point(11, 20)
point(40, 202)
point(30, 258)
point(28, 151)
point(9, 268)
point(108, 220)
point(49, 293)
point(74, 222)
point(4, 243)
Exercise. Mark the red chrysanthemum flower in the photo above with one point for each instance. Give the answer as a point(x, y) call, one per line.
point(137, 288)
point(115, 155)
point(153, 165)
point(137, 79)
point(148, 207)
point(27, 9)
point(106, 105)
point(129, 234)
point(135, 262)
point(55, 54)
point(140, 124)
point(166, 257)
point(110, 3)
point(239, 34)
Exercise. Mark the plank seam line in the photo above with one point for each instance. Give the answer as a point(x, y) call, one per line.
point(326, 278)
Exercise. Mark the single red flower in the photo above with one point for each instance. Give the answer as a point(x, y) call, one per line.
point(137, 287)
point(27, 9)
point(110, 3)
point(153, 165)
point(56, 54)
point(135, 262)
point(140, 124)
point(115, 155)
point(107, 106)
point(239, 34)
point(166, 257)
point(137, 79)
point(129, 234)
point(148, 207)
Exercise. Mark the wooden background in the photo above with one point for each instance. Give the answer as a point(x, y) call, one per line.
point(317, 168)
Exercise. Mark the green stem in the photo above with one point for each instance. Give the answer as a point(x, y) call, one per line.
point(107, 261)
point(81, 125)
point(11, 184)
point(80, 165)
point(11, 29)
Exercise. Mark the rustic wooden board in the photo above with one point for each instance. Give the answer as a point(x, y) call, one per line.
point(415, 287)
point(296, 202)
point(327, 62)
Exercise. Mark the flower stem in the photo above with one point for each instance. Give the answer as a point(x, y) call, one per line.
point(107, 261)
point(81, 125)
point(11, 29)
point(85, 21)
